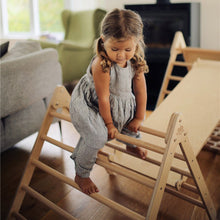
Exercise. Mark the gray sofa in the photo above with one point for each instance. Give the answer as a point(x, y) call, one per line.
point(29, 76)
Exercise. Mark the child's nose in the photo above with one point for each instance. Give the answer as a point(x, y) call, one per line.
point(120, 54)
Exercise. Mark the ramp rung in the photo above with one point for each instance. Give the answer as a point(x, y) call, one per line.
point(179, 63)
point(166, 91)
point(176, 78)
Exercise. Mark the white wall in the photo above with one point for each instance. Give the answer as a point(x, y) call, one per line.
point(210, 18)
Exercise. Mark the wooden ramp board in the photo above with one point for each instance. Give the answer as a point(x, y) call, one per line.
point(197, 97)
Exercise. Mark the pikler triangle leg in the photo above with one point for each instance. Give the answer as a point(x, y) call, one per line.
point(29, 170)
point(172, 140)
point(198, 177)
point(55, 103)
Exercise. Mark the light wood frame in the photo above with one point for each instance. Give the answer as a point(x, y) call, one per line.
point(190, 55)
point(175, 136)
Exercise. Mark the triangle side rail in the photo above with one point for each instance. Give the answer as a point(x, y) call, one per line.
point(198, 178)
point(172, 142)
point(29, 169)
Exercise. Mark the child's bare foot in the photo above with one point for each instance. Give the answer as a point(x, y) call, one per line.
point(86, 185)
point(139, 151)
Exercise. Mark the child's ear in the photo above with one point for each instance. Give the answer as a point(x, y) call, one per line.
point(102, 38)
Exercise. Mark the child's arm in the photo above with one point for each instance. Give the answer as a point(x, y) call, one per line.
point(101, 81)
point(140, 93)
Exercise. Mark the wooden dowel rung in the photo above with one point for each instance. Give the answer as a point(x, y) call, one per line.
point(176, 78)
point(95, 196)
point(126, 172)
point(123, 171)
point(189, 187)
point(142, 128)
point(137, 177)
point(185, 197)
point(18, 216)
point(156, 162)
point(215, 137)
point(152, 131)
point(58, 143)
point(144, 144)
point(166, 91)
point(148, 182)
point(125, 138)
point(179, 50)
point(47, 202)
point(63, 116)
point(179, 156)
point(179, 63)
point(180, 171)
point(212, 147)
point(115, 147)
point(140, 143)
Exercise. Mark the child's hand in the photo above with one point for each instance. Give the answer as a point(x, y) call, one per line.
point(134, 125)
point(112, 130)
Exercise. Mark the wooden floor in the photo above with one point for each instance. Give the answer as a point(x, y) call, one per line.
point(120, 189)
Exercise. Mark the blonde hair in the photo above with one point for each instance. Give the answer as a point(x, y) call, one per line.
point(120, 24)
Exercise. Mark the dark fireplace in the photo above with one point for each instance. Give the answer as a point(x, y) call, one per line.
point(161, 21)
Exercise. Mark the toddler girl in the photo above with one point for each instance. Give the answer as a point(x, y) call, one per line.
point(103, 103)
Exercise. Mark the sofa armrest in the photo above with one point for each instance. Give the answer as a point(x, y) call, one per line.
point(71, 45)
point(28, 79)
point(47, 44)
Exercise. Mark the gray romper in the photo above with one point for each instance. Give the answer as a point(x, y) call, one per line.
point(85, 116)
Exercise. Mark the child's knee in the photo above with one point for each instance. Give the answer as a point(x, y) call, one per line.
point(97, 140)
point(84, 159)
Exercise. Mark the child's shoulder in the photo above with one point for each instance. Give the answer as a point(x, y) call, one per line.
point(96, 61)
point(96, 65)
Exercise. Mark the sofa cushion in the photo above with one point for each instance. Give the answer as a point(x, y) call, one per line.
point(21, 124)
point(21, 48)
